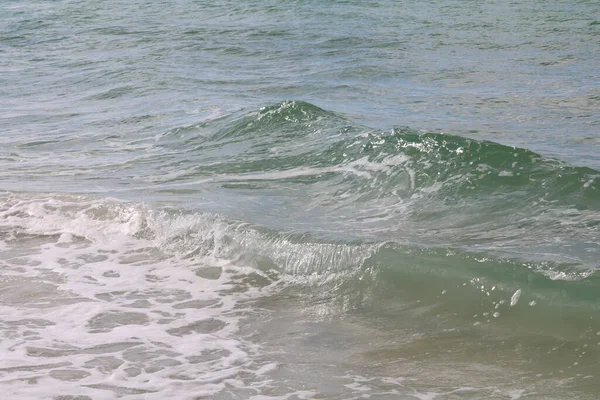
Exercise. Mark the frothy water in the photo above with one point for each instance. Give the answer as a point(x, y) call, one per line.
point(108, 299)
point(88, 299)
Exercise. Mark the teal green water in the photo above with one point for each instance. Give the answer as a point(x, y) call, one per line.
point(300, 200)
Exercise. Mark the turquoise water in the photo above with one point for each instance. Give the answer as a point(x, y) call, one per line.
point(299, 200)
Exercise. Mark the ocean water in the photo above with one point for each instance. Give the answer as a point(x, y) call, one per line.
point(286, 200)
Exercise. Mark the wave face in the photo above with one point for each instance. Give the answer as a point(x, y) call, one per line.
point(292, 221)
point(295, 167)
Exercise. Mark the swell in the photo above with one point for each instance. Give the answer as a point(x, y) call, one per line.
point(292, 135)
point(315, 170)
point(296, 169)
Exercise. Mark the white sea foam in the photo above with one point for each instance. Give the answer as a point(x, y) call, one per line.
point(515, 298)
point(104, 299)
point(97, 305)
point(107, 299)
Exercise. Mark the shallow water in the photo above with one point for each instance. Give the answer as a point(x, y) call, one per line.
point(299, 200)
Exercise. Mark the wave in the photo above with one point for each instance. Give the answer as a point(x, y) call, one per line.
point(213, 239)
point(440, 298)
point(315, 170)
point(298, 191)
point(463, 291)
point(293, 135)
